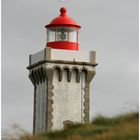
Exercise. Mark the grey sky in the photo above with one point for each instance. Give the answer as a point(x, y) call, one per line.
point(110, 27)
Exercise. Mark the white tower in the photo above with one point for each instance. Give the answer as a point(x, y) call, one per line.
point(61, 75)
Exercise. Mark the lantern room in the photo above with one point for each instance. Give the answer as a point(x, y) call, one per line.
point(62, 32)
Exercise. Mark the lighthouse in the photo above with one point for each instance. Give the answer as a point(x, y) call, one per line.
point(61, 75)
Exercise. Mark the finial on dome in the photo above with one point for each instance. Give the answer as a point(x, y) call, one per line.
point(63, 11)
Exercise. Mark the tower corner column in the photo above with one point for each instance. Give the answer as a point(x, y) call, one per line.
point(90, 75)
point(49, 74)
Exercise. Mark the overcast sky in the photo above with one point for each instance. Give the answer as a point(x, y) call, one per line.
point(109, 27)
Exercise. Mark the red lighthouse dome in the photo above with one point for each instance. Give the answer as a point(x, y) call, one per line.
point(62, 32)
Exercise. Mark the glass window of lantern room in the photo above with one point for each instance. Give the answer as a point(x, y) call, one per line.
point(50, 35)
point(61, 34)
point(73, 35)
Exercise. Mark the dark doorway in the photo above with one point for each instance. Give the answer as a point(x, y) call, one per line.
point(67, 124)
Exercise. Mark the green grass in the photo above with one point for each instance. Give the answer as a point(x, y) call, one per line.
point(123, 127)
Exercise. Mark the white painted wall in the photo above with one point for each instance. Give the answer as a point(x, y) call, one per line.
point(67, 100)
point(65, 55)
point(40, 115)
point(68, 55)
point(39, 56)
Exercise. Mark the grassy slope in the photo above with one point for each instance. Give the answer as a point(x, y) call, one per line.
point(124, 127)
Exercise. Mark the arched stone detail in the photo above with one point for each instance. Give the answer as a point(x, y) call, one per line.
point(43, 74)
point(75, 67)
point(85, 68)
point(57, 66)
point(66, 67)
point(37, 76)
point(68, 74)
point(78, 74)
point(60, 76)
point(60, 72)
point(86, 71)
point(40, 75)
point(32, 78)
